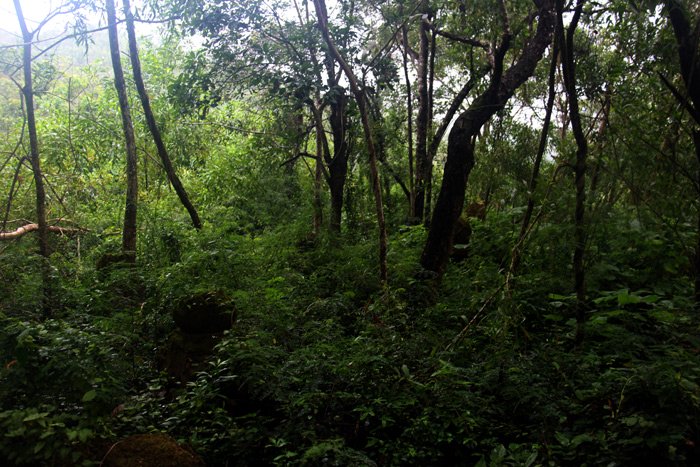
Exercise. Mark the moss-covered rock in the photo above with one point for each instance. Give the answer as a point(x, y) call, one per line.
point(185, 353)
point(150, 450)
point(204, 312)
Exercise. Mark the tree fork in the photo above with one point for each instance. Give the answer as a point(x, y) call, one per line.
point(460, 148)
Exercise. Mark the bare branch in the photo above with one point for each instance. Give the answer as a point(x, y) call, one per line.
point(25, 229)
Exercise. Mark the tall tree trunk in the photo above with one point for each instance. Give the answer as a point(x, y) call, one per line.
point(129, 232)
point(687, 43)
point(569, 69)
point(322, 15)
point(427, 209)
point(423, 164)
point(28, 94)
point(151, 120)
point(409, 129)
point(696, 268)
point(440, 133)
point(460, 146)
point(318, 169)
point(338, 164)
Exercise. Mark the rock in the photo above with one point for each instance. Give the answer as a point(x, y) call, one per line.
point(151, 450)
point(184, 354)
point(203, 313)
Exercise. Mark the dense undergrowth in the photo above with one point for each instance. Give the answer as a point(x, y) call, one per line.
point(323, 367)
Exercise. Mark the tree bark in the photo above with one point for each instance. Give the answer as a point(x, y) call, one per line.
point(322, 15)
point(460, 149)
point(338, 164)
point(569, 70)
point(28, 94)
point(687, 43)
point(151, 120)
point(129, 232)
point(423, 164)
point(25, 229)
point(409, 127)
point(321, 146)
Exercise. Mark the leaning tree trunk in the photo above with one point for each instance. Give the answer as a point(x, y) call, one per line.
point(129, 232)
point(151, 120)
point(569, 69)
point(28, 94)
point(322, 15)
point(460, 147)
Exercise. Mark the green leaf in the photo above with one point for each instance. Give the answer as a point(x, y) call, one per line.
point(84, 434)
point(90, 395)
point(34, 416)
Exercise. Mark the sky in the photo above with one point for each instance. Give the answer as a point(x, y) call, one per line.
point(34, 11)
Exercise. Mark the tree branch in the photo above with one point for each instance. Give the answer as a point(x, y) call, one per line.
point(25, 229)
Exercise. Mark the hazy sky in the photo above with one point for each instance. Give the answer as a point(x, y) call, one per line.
point(34, 11)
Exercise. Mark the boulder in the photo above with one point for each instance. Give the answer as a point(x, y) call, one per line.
point(185, 353)
point(204, 313)
point(150, 450)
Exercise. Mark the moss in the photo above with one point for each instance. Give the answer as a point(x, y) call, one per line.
point(150, 450)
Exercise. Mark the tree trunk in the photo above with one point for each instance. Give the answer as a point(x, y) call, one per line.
point(318, 178)
point(427, 209)
point(569, 69)
point(460, 148)
point(423, 164)
point(151, 121)
point(409, 129)
point(696, 141)
point(687, 42)
point(338, 164)
point(28, 94)
point(338, 172)
point(322, 14)
point(129, 232)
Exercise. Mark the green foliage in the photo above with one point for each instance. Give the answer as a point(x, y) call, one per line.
point(325, 365)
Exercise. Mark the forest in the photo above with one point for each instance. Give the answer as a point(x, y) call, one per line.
point(350, 232)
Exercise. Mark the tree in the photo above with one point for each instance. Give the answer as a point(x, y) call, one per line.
point(151, 121)
point(566, 43)
point(461, 142)
point(687, 45)
point(360, 98)
point(28, 94)
point(129, 232)
point(254, 48)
